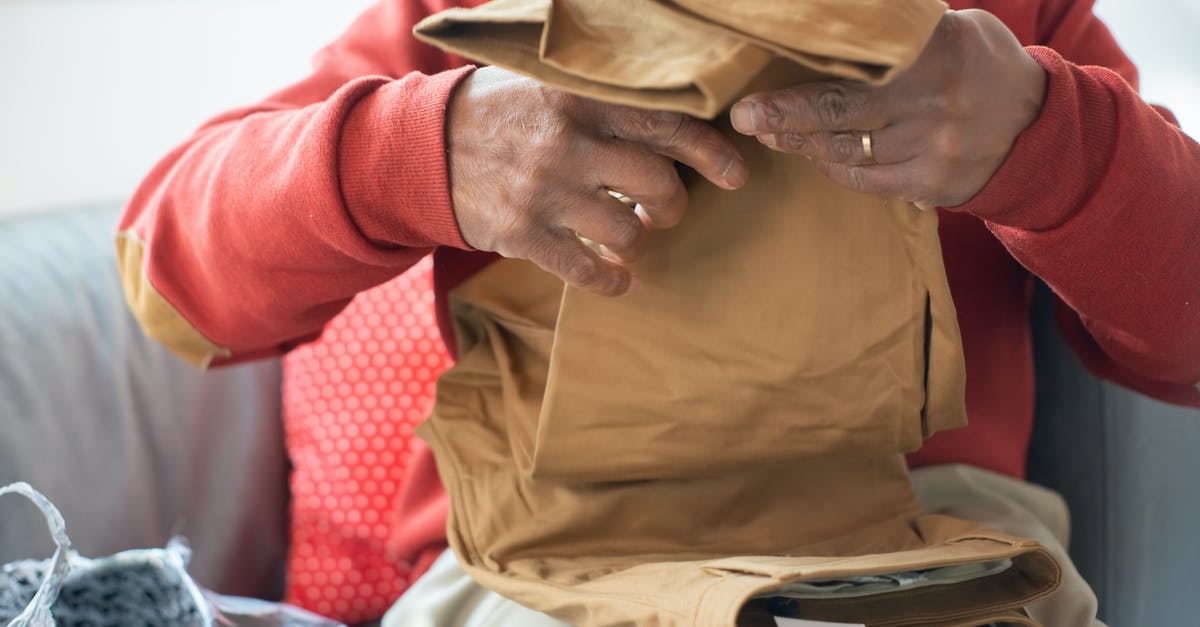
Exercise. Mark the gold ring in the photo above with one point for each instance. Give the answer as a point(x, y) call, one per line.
point(868, 151)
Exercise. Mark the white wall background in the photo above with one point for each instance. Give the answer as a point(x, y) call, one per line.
point(1163, 39)
point(92, 92)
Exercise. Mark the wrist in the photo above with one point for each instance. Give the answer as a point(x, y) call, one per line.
point(1022, 190)
point(392, 164)
point(1009, 89)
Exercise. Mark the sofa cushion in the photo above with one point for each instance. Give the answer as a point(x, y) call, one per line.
point(1126, 464)
point(130, 442)
point(351, 402)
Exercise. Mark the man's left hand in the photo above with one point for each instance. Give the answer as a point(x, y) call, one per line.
point(934, 135)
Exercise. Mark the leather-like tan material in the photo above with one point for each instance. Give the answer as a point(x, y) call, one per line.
point(739, 421)
point(159, 319)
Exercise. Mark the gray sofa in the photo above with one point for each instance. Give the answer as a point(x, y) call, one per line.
point(134, 445)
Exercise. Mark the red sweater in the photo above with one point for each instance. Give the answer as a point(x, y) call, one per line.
point(261, 227)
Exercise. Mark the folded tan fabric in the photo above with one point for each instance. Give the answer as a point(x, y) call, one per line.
point(791, 318)
point(738, 423)
point(686, 550)
point(692, 55)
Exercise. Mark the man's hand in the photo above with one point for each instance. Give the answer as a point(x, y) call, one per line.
point(531, 169)
point(937, 133)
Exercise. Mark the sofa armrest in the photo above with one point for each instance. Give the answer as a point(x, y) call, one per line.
point(1128, 467)
point(131, 443)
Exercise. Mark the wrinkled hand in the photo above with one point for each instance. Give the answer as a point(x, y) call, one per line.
point(938, 131)
point(531, 169)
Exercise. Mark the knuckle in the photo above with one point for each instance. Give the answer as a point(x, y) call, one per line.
point(553, 252)
point(952, 100)
point(626, 231)
point(957, 27)
point(589, 272)
point(776, 113)
point(794, 142)
point(538, 247)
point(948, 145)
point(774, 110)
point(845, 147)
point(833, 107)
point(677, 127)
point(581, 269)
point(856, 177)
point(663, 125)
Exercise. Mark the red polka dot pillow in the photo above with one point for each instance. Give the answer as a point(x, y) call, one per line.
point(350, 403)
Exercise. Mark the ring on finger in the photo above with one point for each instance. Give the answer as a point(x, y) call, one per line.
point(867, 147)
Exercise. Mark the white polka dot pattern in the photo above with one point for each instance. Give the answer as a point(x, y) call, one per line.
point(351, 402)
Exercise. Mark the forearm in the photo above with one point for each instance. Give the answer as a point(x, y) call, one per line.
point(259, 229)
point(246, 239)
point(1099, 199)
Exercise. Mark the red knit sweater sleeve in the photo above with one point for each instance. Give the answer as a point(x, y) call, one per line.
point(257, 230)
point(1100, 197)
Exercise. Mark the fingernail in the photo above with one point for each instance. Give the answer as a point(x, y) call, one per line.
point(644, 216)
point(736, 172)
point(742, 116)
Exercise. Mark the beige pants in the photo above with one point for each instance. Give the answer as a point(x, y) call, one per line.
point(447, 597)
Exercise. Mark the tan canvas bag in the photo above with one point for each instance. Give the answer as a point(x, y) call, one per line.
point(738, 422)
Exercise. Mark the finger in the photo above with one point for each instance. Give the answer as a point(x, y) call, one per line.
point(637, 209)
point(891, 144)
point(646, 179)
point(563, 254)
point(894, 180)
point(827, 106)
point(683, 138)
point(607, 221)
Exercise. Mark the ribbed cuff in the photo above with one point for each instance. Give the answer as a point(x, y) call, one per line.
point(1055, 163)
point(392, 163)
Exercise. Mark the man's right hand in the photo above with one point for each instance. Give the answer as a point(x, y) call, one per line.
point(531, 169)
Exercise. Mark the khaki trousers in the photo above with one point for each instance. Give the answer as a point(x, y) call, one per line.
point(447, 597)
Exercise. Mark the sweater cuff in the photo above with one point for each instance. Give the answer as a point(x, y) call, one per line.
point(1056, 161)
point(392, 163)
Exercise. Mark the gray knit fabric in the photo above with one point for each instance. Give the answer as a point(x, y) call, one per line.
point(138, 588)
point(131, 589)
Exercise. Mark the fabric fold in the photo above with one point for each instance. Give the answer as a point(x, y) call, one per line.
point(679, 455)
point(693, 56)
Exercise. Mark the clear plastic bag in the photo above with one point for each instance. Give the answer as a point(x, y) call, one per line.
point(140, 587)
